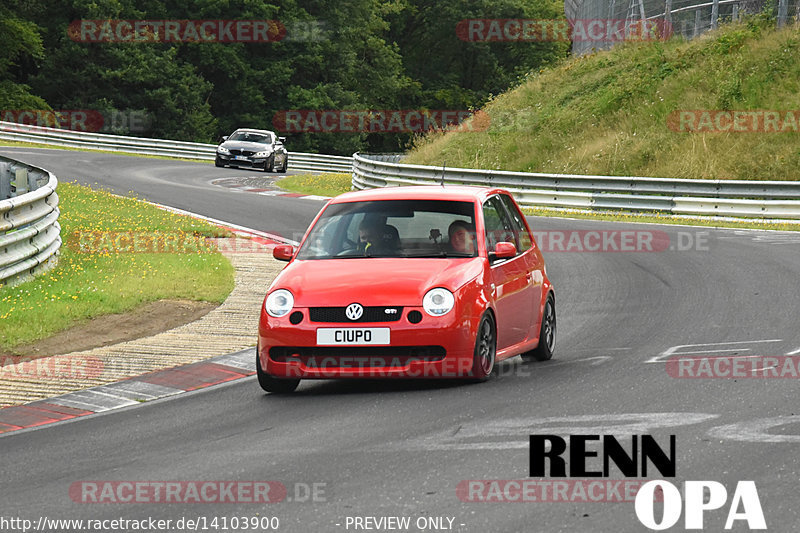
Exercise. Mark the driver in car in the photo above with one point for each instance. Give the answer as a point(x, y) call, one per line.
point(375, 236)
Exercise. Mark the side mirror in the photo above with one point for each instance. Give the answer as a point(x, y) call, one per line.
point(223, 139)
point(503, 250)
point(283, 252)
point(281, 140)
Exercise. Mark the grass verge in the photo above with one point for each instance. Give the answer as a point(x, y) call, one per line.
point(93, 278)
point(327, 184)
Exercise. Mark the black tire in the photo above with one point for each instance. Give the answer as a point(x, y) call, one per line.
point(282, 170)
point(271, 383)
point(547, 334)
point(218, 162)
point(269, 164)
point(483, 357)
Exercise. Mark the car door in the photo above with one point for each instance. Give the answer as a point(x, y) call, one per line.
point(533, 264)
point(509, 277)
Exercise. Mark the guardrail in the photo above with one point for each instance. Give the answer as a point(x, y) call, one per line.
point(29, 230)
point(731, 198)
point(161, 147)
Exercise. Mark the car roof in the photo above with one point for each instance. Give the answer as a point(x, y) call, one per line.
point(420, 192)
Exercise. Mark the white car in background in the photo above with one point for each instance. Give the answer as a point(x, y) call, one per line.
point(258, 149)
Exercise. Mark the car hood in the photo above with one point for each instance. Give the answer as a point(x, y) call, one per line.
point(242, 145)
point(373, 281)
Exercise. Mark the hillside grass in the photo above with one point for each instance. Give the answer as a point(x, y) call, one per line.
point(96, 276)
point(606, 113)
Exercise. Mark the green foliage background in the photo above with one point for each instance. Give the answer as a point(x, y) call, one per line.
point(370, 54)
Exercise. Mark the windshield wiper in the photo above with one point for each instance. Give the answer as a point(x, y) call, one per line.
point(441, 253)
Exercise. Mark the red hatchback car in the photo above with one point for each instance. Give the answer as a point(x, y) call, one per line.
point(407, 282)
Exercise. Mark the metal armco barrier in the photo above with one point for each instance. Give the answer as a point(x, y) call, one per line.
point(730, 198)
point(139, 145)
point(29, 231)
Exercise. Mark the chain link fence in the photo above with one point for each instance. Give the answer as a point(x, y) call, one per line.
point(687, 18)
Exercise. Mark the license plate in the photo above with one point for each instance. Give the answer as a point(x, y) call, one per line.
point(336, 336)
point(240, 157)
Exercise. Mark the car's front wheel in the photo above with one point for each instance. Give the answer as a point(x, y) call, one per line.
point(218, 162)
point(269, 164)
point(272, 384)
point(483, 357)
point(547, 334)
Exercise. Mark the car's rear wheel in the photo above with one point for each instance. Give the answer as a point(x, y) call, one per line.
point(218, 162)
point(273, 384)
point(547, 334)
point(485, 348)
point(283, 168)
point(269, 164)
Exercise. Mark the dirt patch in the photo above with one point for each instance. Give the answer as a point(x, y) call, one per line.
point(143, 321)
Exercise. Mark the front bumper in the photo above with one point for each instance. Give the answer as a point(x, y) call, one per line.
point(436, 347)
point(245, 161)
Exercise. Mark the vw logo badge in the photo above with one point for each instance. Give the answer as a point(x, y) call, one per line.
point(354, 311)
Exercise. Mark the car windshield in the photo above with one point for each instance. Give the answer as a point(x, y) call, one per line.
point(393, 228)
point(251, 137)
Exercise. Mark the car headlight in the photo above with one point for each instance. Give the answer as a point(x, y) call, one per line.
point(223, 150)
point(263, 154)
point(279, 303)
point(438, 301)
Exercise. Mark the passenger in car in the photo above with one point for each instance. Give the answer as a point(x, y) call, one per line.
point(462, 237)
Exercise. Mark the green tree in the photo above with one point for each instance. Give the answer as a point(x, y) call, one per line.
point(20, 47)
point(121, 76)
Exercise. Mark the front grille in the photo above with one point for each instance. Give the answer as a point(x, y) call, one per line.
point(248, 153)
point(371, 314)
point(356, 356)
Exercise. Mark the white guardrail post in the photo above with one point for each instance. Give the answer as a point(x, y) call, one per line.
point(140, 145)
point(730, 198)
point(29, 232)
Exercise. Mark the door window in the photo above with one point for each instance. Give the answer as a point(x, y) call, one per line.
point(524, 239)
point(498, 225)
